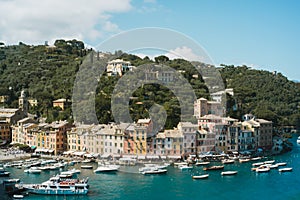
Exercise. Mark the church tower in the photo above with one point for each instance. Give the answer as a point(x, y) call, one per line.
point(23, 103)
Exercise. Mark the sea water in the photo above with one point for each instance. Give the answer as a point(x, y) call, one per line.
point(128, 184)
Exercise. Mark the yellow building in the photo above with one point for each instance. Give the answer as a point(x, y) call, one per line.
point(46, 138)
point(5, 132)
point(62, 103)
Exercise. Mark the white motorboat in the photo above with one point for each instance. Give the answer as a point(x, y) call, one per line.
point(107, 168)
point(18, 196)
point(298, 140)
point(272, 166)
point(179, 163)
point(228, 173)
point(185, 167)
point(286, 169)
point(154, 170)
point(243, 160)
point(86, 161)
point(262, 168)
point(4, 172)
point(33, 170)
point(12, 180)
point(255, 158)
point(204, 176)
point(215, 167)
point(269, 161)
point(227, 161)
point(281, 164)
point(59, 186)
point(257, 164)
point(86, 167)
point(202, 163)
point(72, 171)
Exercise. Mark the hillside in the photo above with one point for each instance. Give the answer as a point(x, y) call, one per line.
point(265, 94)
point(48, 72)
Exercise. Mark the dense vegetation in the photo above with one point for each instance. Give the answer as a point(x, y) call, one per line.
point(267, 95)
point(45, 72)
point(48, 73)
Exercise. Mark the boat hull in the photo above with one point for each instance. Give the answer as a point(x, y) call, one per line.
point(58, 192)
point(200, 176)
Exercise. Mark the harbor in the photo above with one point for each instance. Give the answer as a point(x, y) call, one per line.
point(236, 182)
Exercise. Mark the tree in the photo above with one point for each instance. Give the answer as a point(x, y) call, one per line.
point(161, 59)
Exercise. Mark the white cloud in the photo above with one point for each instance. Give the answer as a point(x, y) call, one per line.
point(185, 53)
point(179, 52)
point(34, 21)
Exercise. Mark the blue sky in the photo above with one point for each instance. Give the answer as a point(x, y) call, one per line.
point(262, 34)
point(257, 33)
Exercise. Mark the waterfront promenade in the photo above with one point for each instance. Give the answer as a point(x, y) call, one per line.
point(9, 155)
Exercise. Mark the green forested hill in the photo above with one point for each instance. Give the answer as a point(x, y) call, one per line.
point(47, 73)
point(265, 94)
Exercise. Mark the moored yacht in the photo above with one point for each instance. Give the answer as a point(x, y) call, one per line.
point(107, 168)
point(298, 140)
point(3, 172)
point(59, 186)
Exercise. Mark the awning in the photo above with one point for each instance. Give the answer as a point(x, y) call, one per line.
point(41, 150)
point(152, 157)
point(79, 153)
point(88, 155)
point(95, 154)
point(174, 157)
point(129, 156)
point(141, 157)
point(50, 150)
point(106, 155)
point(68, 152)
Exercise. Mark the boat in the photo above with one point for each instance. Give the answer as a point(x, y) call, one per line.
point(257, 164)
point(107, 168)
point(227, 161)
point(202, 163)
point(286, 169)
point(86, 167)
point(33, 170)
point(214, 168)
point(12, 180)
point(272, 166)
point(228, 173)
point(86, 161)
point(72, 171)
point(262, 168)
point(255, 158)
point(298, 140)
point(269, 161)
point(154, 170)
point(243, 160)
point(59, 186)
point(4, 172)
point(18, 196)
point(281, 164)
point(204, 176)
point(66, 175)
point(179, 163)
point(185, 167)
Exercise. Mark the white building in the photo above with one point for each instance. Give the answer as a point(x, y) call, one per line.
point(118, 67)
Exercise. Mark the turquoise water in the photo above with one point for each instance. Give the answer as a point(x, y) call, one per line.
point(175, 185)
